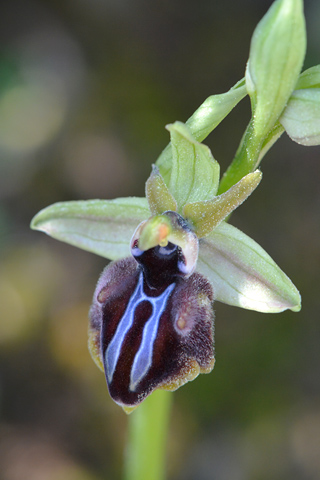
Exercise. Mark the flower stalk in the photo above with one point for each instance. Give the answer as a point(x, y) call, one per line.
point(145, 456)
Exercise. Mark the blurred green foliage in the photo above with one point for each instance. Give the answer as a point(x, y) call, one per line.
point(86, 88)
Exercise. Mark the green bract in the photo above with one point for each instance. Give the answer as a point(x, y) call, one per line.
point(204, 120)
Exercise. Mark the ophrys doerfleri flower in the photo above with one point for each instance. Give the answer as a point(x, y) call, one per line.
point(151, 321)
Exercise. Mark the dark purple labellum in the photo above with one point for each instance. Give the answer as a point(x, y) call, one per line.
point(151, 327)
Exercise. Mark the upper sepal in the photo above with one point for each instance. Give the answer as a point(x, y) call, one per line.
point(310, 78)
point(301, 117)
point(243, 274)
point(195, 173)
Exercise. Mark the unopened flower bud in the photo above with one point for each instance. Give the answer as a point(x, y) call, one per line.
point(276, 56)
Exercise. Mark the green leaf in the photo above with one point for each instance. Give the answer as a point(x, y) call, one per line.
point(195, 173)
point(204, 120)
point(205, 216)
point(214, 109)
point(301, 117)
point(104, 227)
point(276, 56)
point(243, 274)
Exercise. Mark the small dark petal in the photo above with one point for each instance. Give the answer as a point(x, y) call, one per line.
point(148, 338)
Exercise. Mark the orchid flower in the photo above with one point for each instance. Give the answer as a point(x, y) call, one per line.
point(174, 251)
point(151, 321)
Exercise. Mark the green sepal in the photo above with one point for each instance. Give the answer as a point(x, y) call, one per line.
point(301, 117)
point(310, 78)
point(159, 198)
point(195, 173)
point(277, 52)
point(204, 120)
point(243, 274)
point(207, 215)
point(103, 227)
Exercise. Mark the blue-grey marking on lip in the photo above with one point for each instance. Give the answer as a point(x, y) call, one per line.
point(139, 367)
point(113, 351)
point(143, 358)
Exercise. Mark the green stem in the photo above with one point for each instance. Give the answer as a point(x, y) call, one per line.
point(251, 151)
point(148, 426)
point(245, 160)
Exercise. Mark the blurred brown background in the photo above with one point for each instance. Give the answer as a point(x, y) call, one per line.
point(86, 88)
